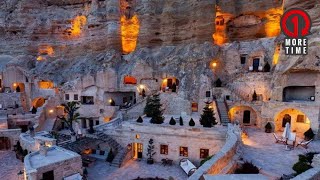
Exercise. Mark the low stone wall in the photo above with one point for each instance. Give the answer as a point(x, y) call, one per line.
point(313, 173)
point(12, 134)
point(218, 163)
point(32, 144)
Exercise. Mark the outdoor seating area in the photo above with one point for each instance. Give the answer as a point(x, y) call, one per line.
point(261, 149)
point(167, 162)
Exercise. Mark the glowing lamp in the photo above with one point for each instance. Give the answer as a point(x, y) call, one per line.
point(214, 64)
point(141, 86)
point(14, 84)
point(110, 100)
point(51, 111)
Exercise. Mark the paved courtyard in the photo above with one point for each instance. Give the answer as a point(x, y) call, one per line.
point(133, 169)
point(260, 148)
point(10, 166)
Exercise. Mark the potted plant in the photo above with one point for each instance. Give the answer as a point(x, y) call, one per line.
point(268, 127)
point(150, 152)
point(140, 120)
point(181, 121)
point(172, 121)
point(191, 122)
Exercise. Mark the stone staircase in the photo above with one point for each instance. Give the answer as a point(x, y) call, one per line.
point(240, 91)
point(223, 112)
point(120, 151)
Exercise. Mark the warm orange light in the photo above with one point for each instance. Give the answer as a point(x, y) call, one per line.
point(276, 55)
point(110, 100)
point(46, 50)
point(40, 58)
point(77, 25)
point(273, 16)
point(129, 33)
point(45, 85)
point(107, 119)
point(141, 86)
point(214, 64)
point(14, 84)
point(51, 111)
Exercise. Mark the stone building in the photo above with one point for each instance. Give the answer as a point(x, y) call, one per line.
point(52, 163)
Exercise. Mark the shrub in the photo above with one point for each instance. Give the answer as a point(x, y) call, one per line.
point(308, 134)
point(268, 127)
point(205, 160)
point(247, 168)
point(140, 120)
point(254, 96)
point(301, 167)
point(172, 121)
point(181, 121)
point(191, 122)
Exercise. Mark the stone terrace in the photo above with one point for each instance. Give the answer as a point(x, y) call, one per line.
point(133, 169)
point(260, 148)
point(10, 166)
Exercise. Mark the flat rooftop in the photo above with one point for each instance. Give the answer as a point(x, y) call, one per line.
point(55, 154)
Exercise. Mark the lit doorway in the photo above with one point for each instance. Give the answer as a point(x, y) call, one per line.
point(137, 150)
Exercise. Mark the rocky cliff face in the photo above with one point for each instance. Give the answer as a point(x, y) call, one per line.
point(70, 38)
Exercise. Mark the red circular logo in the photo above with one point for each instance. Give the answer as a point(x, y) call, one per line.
point(296, 23)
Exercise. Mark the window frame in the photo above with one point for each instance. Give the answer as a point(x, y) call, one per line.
point(65, 97)
point(164, 149)
point(183, 151)
point(205, 152)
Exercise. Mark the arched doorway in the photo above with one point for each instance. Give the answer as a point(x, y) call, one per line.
point(298, 120)
point(244, 115)
point(170, 85)
point(18, 87)
point(5, 143)
point(38, 102)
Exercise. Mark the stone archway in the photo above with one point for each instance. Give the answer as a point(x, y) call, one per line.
point(244, 114)
point(170, 84)
point(38, 102)
point(299, 121)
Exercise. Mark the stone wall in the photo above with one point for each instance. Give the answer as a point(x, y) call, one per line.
point(175, 137)
point(222, 159)
point(313, 173)
point(67, 167)
point(12, 134)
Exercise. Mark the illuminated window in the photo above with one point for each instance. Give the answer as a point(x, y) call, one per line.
point(204, 153)
point(137, 136)
point(164, 149)
point(87, 100)
point(184, 151)
point(300, 118)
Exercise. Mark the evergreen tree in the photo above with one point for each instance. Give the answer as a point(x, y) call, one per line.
point(172, 121)
point(181, 121)
point(148, 110)
point(156, 111)
point(207, 117)
point(140, 120)
point(267, 67)
point(191, 122)
point(254, 96)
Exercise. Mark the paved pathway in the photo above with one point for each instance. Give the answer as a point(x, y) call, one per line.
point(261, 149)
point(133, 169)
point(10, 166)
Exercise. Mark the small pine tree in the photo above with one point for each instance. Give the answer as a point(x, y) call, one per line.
point(172, 121)
point(254, 96)
point(191, 122)
point(207, 117)
point(181, 121)
point(140, 120)
point(157, 117)
point(148, 110)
